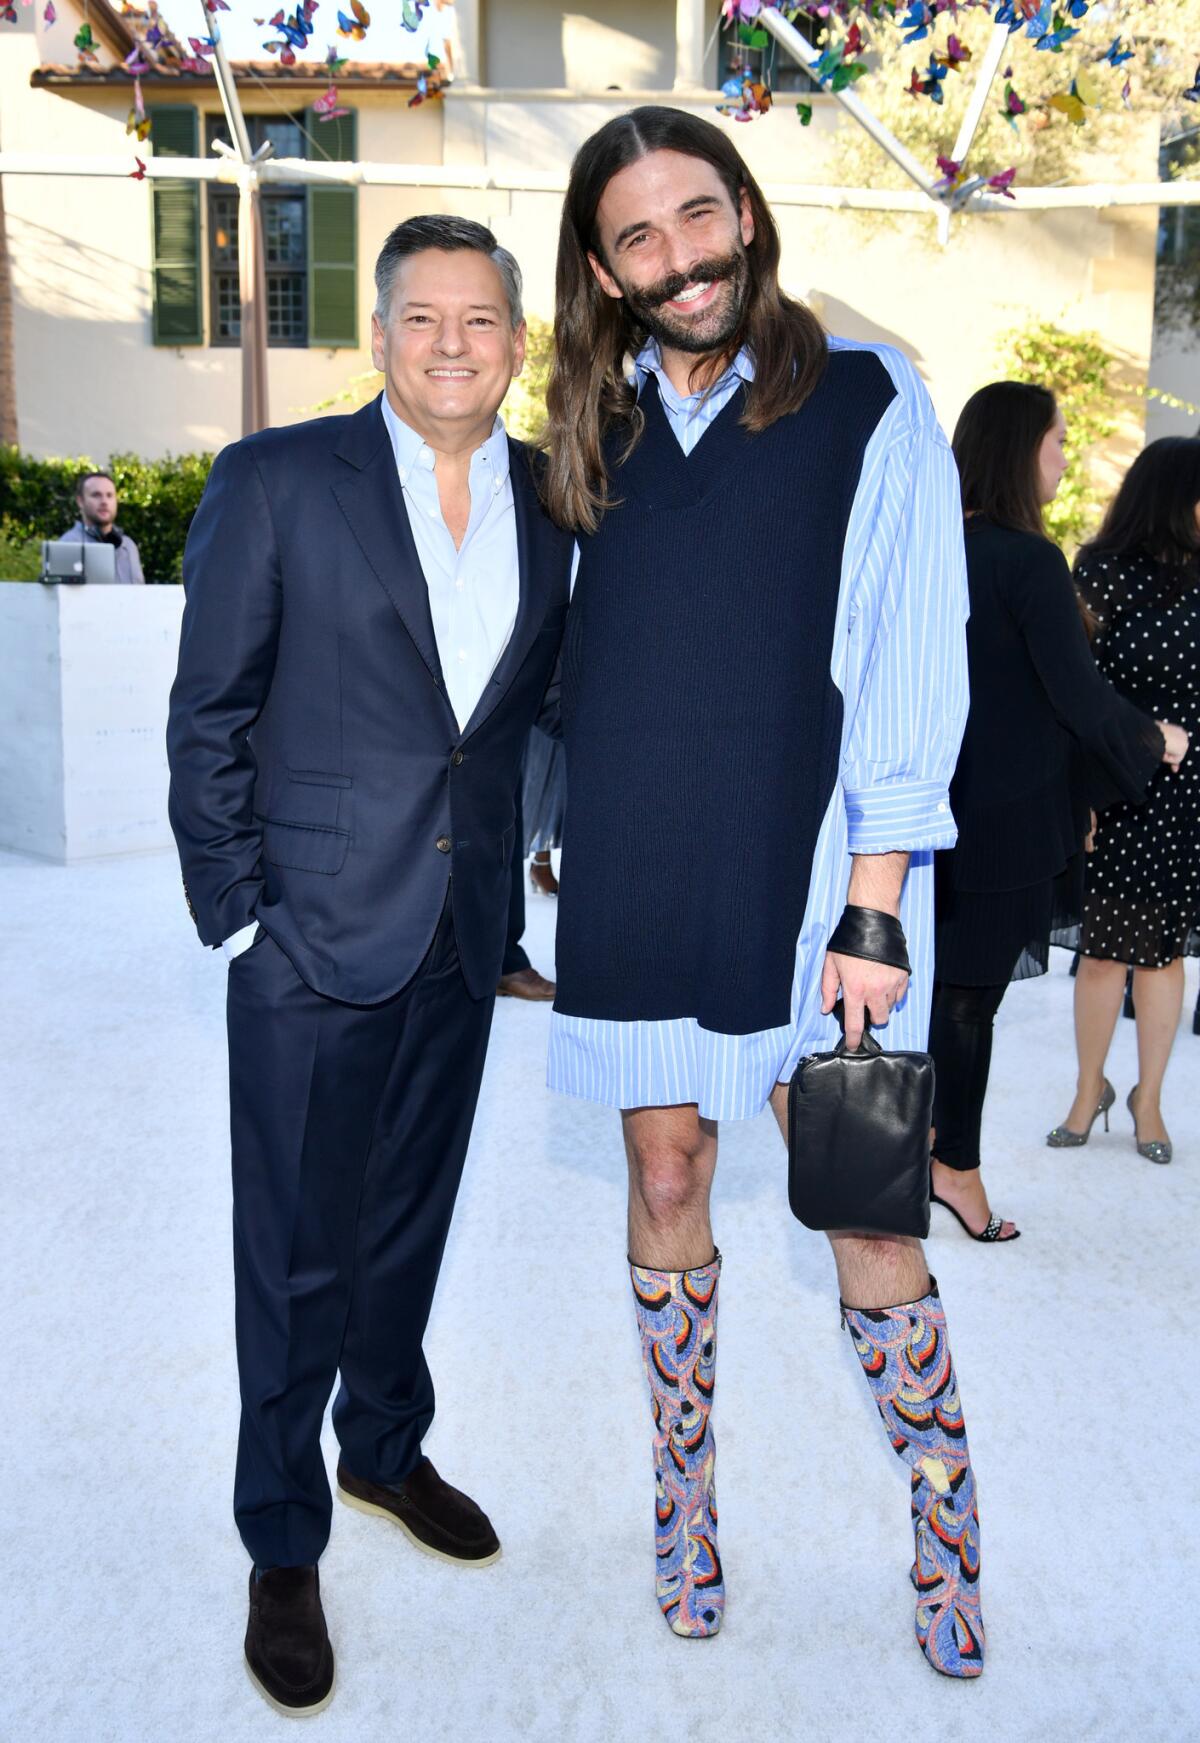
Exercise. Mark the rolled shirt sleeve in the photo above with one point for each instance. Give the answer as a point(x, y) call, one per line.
point(909, 614)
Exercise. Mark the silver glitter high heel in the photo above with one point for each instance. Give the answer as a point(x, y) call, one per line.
point(1156, 1149)
point(1063, 1138)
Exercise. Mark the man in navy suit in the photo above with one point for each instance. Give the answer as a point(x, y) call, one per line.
point(374, 610)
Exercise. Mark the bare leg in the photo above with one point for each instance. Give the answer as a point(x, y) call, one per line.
point(672, 1157)
point(1099, 989)
point(872, 1270)
point(1158, 1001)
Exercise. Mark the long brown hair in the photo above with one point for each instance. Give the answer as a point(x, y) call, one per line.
point(587, 394)
point(996, 442)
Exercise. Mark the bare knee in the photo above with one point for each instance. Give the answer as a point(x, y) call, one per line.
point(671, 1178)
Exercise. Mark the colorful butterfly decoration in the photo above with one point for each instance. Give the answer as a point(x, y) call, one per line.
point(956, 55)
point(1016, 13)
point(930, 85)
point(216, 5)
point(357, 26)
point(804, 112)
point(747, 96)
point(1014, 105)
point(425, 90)
point(49, 16)
point(410, 13)
point(325, 108)
point(137, 121)
point(8, 13)
point(1053, 40)
point(138, 174)
point(294, 32)
point(1115, 54)
point(918, 23)
point(1193, 94)
point(334, 62)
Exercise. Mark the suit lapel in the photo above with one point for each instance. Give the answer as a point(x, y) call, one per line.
point(534, 576)
point(372, 500)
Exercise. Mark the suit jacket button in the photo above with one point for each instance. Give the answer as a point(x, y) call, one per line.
point(457, 759)
point(443, 844)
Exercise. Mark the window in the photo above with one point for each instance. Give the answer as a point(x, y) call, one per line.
point(780, 71)
point(285, 240)
point(1177, 279)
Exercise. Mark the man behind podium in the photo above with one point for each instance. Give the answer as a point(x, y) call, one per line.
point(96, 500)
point(374, 610)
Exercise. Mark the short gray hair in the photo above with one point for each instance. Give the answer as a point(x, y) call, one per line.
point(439, 230)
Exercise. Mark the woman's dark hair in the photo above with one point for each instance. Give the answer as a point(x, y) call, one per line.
point(996, 442)
point(587, 394)
point(1153, 514)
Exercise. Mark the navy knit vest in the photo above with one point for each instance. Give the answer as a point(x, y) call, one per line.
point(702, 726)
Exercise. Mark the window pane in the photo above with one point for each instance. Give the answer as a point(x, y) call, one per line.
point(286, 317)
point(283, 230)
point(227, 306)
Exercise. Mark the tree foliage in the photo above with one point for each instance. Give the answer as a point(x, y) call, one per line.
point(1081, 372)
point(1044, 145)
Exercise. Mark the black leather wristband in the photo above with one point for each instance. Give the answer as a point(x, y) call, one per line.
point(871, 934)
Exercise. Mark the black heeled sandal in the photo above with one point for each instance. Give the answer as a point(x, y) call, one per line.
point(990, 1236)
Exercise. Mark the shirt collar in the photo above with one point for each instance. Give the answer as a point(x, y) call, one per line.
point(414, 453)
point(649, 362)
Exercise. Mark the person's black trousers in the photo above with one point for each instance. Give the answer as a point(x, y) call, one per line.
point(960, 1040)
point(349, 1127)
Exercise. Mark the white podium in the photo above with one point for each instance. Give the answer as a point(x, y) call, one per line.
point(85, 674)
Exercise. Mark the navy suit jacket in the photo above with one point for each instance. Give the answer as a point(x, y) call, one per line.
point(319, 780)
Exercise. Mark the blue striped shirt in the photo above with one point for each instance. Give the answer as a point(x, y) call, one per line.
point(899, 660)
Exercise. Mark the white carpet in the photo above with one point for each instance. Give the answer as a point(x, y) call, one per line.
point(122, 1601)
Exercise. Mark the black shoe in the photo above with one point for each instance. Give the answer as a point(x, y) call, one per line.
point(288, 1653)
point(436, 1518)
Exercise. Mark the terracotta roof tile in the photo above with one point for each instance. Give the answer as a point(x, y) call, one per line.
point(356, 73)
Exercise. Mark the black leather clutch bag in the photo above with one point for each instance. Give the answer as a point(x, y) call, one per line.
point(858, 1140)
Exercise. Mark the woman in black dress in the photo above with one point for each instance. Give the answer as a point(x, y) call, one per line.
point(1047, 739)
point(1140, 579)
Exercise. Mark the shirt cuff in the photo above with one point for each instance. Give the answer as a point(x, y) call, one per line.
point(899, 818)
point(241, 940)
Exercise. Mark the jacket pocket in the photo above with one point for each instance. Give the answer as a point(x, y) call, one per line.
point(317, 778)
point(305, 847)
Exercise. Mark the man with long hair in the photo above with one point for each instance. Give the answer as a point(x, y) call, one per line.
point(763, 697)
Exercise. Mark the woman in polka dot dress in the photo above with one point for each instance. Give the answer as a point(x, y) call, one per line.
point(1140, 578)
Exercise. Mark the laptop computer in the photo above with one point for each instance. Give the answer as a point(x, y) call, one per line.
point(70, 560)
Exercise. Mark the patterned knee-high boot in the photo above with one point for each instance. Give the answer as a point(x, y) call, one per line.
point(677, 1318)
point(905, 1354)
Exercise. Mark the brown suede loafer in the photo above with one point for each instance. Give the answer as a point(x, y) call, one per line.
point(288, 1653)
point(526, 983)
point(435, 1517)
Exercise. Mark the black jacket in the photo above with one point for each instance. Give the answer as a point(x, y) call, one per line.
point(319, 780)
point(1047, 736)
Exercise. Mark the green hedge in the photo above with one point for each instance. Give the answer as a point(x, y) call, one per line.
point(156, 502)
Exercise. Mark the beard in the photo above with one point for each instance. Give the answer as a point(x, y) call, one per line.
point(713, 327)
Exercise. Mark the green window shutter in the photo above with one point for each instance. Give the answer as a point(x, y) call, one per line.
point(332, 238)
point(178, 300)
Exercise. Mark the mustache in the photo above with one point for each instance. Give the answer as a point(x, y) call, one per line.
point(653, 296)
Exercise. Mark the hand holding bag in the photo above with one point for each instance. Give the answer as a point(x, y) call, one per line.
point(858, 1139)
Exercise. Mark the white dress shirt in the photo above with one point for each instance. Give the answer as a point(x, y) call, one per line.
point(474, 589)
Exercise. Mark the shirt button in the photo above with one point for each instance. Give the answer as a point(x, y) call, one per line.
point(459, 585)
point(433, 514)
point(941, 807)
point(443, 844)
point(462, 653)
point(457, 759)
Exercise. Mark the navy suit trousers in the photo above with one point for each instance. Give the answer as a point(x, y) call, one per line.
point(349, 1128)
